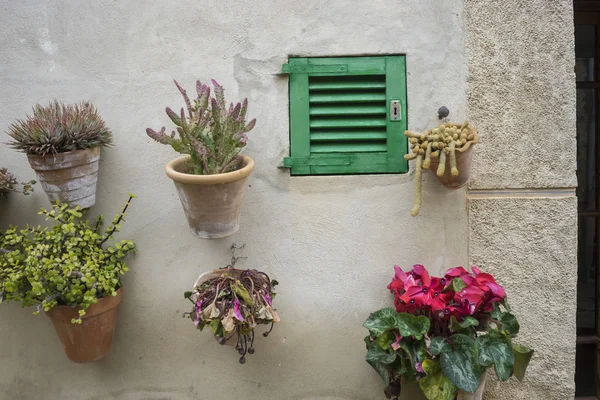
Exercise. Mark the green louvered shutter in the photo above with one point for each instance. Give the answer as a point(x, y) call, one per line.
point(340, 115)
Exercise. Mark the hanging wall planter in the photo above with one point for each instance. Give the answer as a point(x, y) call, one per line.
point(79, 283)
point(232, 302)
point(446, 151)
point(63, 145)
point(212, 178)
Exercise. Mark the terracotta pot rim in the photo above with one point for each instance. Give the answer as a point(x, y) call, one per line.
point(467, 145)
point(227, 177)
point(91, 150)
point(213, 273)
point(103, 305)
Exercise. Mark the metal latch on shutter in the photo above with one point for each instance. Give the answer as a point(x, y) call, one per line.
point(289, 162)
point(307, 69)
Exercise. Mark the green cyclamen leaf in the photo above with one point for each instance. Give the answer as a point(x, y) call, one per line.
point(241, 291)
point(509, 323)
point(495, 349)
point(379, 359)
point(460, 363)
point(438, 345)
point(411, 325)
point(381, 321)
point(522, 357)
point(458, 284)
point(468, 322)
point(187, 295)
point(435, 385)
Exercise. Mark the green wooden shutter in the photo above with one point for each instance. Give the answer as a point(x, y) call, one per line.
point(340, 115)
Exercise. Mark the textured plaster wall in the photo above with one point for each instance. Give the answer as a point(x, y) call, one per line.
point(521, 96)
point(330, 241)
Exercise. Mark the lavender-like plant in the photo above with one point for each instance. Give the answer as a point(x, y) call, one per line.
point(58, 128)
point(212, 134)
point(8, 184)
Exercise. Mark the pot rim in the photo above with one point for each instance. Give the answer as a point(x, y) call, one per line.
point(103, 305)
point(92, 150)
point(213, 273)
point(227, 177)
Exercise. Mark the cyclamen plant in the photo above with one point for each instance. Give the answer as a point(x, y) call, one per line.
point(444, 333)
point(8, 184)
point(63, 265)
point(212, 134)
point(234, 304)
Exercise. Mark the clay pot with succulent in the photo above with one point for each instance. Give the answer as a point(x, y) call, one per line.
point(447, 144)
point(63, 143)
point(232, 302)
point(71, 272)
point(211, 176)
point(10, 184)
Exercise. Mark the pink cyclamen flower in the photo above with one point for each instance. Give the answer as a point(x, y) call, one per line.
point(236, 310)
point(419, 366)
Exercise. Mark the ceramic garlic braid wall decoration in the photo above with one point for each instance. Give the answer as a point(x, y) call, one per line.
point(434, 148)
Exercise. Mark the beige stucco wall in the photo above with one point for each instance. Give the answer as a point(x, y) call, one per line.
point(522, 205)
point(330, 241)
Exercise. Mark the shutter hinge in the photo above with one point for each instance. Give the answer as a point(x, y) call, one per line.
point(289, 162)
point(307, 69)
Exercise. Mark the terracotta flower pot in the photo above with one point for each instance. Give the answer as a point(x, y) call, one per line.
point(463, 163)
point(69, 177)
point(92, 339)
point(212, 203)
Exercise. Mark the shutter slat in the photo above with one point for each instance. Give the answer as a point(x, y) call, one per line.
point(346, 97)
point(347, 122)
point(346, 84)
point(368, 109)
point(365, 135)
point(346, 147)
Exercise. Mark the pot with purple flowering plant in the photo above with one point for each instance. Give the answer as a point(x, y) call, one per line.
point(232, 302)
point(211, 177)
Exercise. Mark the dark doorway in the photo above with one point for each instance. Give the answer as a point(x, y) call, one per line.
point(587, 71)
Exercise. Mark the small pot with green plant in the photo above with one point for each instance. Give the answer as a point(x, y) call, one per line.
point(444, 334)
point(72, 273)
point(232, 302)
point(211, 178)
point(10, 184)
point(63, 143)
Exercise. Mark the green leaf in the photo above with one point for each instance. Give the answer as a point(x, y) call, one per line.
point(187, 295)
point(458, 284)
point(460, 363)
point(509, 323)
point(379, 359)
point(381, 321)
point(242, 292)
point(435, 385)
point(415, 349)
point(214, 326)
point(438, 345)
point(456, 326)
point(495, 349)
point(385, 339)
point(522, 357)
point(411, 325)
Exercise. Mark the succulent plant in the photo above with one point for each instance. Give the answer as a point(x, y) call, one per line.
point(439, 143)
point(8, 184)
point(58, 128)
point(211, 133)
point(69, 264)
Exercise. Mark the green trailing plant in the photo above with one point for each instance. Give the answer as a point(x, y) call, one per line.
point(68, 264)
point(439, 143)
point(234, 304)
point(8, 184)
point(58, 128)
point(211, 133)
